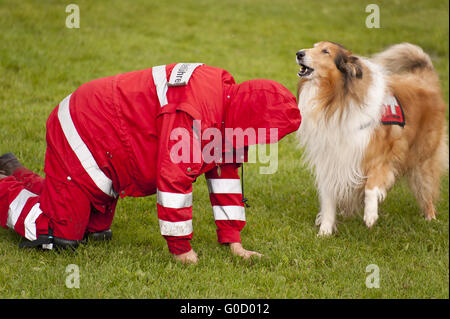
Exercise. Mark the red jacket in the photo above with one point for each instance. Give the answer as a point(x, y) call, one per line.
point(126, 122)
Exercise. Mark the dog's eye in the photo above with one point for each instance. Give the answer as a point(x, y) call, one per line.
point(325, 51)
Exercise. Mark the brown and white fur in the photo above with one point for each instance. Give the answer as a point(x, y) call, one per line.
point(355, 158)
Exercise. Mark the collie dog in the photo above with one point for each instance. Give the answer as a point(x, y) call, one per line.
point(356, 157)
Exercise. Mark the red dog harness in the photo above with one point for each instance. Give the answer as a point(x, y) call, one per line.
point(392, 112)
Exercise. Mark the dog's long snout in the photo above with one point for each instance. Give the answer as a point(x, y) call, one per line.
point(300, 54)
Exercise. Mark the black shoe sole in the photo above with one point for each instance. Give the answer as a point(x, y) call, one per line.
point(54, 242)
point(98, 236)
point(63, 244)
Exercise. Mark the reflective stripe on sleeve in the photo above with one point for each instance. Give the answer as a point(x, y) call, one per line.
point(16, 207)
point(182, 228)
point(81, 150)
point(229, 213)
point(173, 200)
point(224, 186)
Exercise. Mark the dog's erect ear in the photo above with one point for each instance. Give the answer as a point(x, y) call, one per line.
point(349, 65)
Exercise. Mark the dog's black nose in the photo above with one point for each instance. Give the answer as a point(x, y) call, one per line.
point(300, 54)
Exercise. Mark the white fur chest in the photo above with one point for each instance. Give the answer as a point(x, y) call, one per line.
point(334, 149)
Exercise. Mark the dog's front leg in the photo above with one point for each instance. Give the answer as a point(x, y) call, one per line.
point(378, 183)
point(371, 199)
point(326, 218)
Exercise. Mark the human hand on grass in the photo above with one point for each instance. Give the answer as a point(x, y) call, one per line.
point(238, 250)
point(187, 258)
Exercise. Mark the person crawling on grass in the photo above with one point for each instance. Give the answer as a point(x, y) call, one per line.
point(120, 136)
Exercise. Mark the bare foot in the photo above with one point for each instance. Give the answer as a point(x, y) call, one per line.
point(238, 250)
point(187, 258)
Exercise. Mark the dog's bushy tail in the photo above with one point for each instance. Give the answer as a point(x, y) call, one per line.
point(404, 58)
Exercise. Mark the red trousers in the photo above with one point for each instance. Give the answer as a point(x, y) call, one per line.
point(63, 201)
point(77, 220)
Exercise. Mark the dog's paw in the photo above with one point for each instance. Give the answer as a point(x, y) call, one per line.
point(370, 219)
point(326, 229)
point(430, 213)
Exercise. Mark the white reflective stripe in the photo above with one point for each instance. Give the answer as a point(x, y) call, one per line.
point(183, 228)
point(160, 79)
point(229, 213)
point(224, 186)
point(16, 207)
point(181, 73)
point(30, 222)
point(390, 101)
point(81, 150)
point(173, 200)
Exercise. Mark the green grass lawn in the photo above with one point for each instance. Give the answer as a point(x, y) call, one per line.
point(42, 61)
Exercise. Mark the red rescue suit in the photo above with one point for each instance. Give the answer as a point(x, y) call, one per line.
point(115, 137)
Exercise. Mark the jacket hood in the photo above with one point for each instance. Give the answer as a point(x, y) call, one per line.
point(257, 105)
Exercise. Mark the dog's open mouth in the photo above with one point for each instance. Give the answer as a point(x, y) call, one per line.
point(304, 70)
